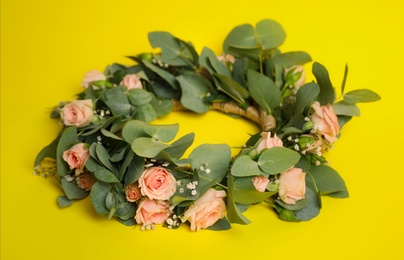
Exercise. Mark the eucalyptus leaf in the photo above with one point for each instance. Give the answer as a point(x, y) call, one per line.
point(304, 96)
point(221, 224)
point(244, 166)
point(179, 147)
point(344, 80)
point(289, 59)
point(134, 167)
point(146, 113)
point(64, 201)
point(312, 208)
point(242, 35)
point(170, 47)
point(132, 130)
point(47, 151)
point(248, 52)
point(164, 133)
point(270, 34)
point(72, 191)
point(98, 195)
point(263, 91)
point(328, 180)
point(117, 101)
point(277, 159)
point(230, 87)
point(67, 139)
point(103, 157)
point(194, 91)
point(210, 61)
point(327, 92)
point(346, 109)
point(360, 95)
point(234, 215)
point(147, 147)
point(138, 97)
point(104, 175)
point(107, 133)
point(164, 74)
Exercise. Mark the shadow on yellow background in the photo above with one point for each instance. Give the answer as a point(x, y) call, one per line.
point(46, 47)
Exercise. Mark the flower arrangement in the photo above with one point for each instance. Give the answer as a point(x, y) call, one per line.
point(134, 171)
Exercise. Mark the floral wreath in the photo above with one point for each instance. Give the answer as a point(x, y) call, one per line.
point(133, 171)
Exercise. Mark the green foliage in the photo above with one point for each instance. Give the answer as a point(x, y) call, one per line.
point(327, 92)
point(244, 166)
point(72, 191)
point(194, 90)
point(277, 159)
point(67, 139)
point(328, 181)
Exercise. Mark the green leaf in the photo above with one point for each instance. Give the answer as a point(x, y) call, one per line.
point(194, 90)
point(162, 107)
point(233, 213)
point(178, 148)
point(328, 181)
point(118, 101)
point(170, 47)
point(209, 60)
point(67, 139)
point(289, 59)
point(47, 151)
point(344, 79)
point(230, 87)
point(242, 36)
point(304, 96)
point(164, 133)
point(98, 196)
point(127, 222)
point(263, 91)
point(360, 95)
point(248, 52)
point(342, 108)
point(64, 201)
point(72, 191)
point(245, 193)
point(286, 214)
point(133, 129)
point(147, 147)
point(221, 224)
point(167, 76)
point(135, 167)
point(103, 157)
point(104, 175)
point(277, 159)
point(244, 166)
point(211, 161)
point(138, 97)
point(270, 34)
point(327, 92)
point(312, 209)
point(146, 113)
point(299, 204)
point(107, 133)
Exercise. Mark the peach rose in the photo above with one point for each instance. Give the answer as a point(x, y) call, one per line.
point(78, 113)
point(131, 81)
point(76, 157)
point(206, 210)
point(226, 58)
point(91, 76)
point(157, 183)
point(325, 121)
point(152, 211)
point(267, 141)
point(85, 181)
point(292, 185)
point(260, 183)
point(132, 192)
point(298, 81)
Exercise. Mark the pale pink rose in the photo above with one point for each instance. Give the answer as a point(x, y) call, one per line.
point(85, 181)
point(325, 121)
point(91, 76)
point(260, 183)
point(78, 113)
point(76, 157)
point(131, 81)
point(302, 79)
point(132, 192)
point(292, 185)
point(312, 143)
point(157, 183)
point(267, 141)
point(152, 211)
point(206, 210)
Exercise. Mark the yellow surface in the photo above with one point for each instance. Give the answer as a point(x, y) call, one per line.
point(46, 47)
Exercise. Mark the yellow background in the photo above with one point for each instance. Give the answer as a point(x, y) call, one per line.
point(47, 46)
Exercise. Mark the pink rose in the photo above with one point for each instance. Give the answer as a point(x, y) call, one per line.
point(298, 80)
point(152, 211)
point(292, 185)
point(206, 210)
point(267, 141)
point(76, 157)
point(226, 58)
point(131, 81)
point(132, 192)
point(157, 183)
point(260, 182)
point(85, 181)
point(78, 113)
point(91, 76)
point(325, 121)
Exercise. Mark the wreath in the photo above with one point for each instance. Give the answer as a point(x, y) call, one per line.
point(134, 171)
